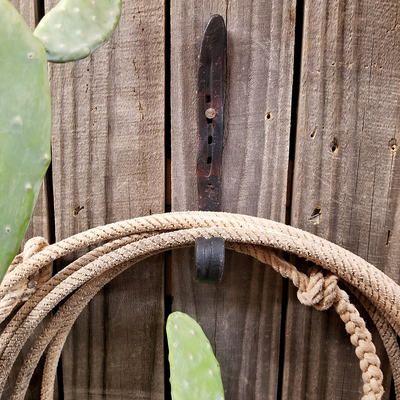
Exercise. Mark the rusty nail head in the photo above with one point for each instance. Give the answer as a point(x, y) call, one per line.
point(210, 113)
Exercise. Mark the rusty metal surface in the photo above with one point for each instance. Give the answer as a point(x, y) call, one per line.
point(211, 114)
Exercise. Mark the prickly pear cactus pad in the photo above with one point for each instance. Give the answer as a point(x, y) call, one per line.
point(25, 128)
point(75, 28)
point(195, 372)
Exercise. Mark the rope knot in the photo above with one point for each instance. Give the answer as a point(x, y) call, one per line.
point(319, 290)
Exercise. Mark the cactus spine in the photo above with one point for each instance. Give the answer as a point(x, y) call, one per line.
point(195, 372)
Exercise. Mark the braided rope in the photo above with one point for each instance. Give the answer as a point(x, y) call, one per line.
point(387, 334)
point(131, 241)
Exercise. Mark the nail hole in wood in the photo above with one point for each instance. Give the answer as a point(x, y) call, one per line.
point(76, 210)
point(315, 217)
point(388, 238)
point(393, 145)
point(334, 145)
point(269, 116)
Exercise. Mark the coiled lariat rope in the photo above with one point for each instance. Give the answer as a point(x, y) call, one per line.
point(124, 243)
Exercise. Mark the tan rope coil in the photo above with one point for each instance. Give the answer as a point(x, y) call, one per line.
point(131, 241)
point(25, 287)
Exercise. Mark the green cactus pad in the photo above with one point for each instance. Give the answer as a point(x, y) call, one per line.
point(75, 28)
point(195, 372)
point(25, 128)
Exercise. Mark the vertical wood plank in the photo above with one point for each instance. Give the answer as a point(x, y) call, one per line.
point(241, 315)
point(108, 165)
point(346, 174)
point(40, 224)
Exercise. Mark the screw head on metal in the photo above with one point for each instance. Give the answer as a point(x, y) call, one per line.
point(210, 113)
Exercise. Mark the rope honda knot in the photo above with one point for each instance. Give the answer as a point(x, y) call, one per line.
point(27, 286)
point(321, 290)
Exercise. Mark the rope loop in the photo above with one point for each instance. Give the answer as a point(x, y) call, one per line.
point(124, 243)
point(34, 246)
point(26, 287)
point(321, 290)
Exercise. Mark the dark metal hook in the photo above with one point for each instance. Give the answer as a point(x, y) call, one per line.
point(210, 253)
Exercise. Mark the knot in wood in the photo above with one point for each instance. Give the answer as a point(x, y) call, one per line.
point(321, 290)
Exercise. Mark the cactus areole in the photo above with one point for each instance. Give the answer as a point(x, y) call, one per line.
point(25, 128)
point(195, 372)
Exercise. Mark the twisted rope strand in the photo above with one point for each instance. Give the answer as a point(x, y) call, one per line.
point(157, 233)
point(61, 324)
point(54, 283)
point(375, 285)
point(28, 318)
point(346, 265)
point(56, 333)
point(322, 292)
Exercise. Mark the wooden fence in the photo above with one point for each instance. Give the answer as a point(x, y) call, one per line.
point(312, 126)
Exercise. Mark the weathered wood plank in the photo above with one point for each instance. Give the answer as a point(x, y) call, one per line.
point(241, 315)
point(108, 157)
point(40, 223)
point(346, 166)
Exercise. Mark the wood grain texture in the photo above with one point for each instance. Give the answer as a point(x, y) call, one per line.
point(347, 166)
point(40, 223)
point(241, 315)
point(108, 165)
